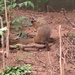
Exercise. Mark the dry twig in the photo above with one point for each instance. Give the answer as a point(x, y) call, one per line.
point(61, 73)
point(51, 72)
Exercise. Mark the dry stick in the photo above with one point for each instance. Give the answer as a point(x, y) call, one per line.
point(8, 31)
point(64, 65)
point(61, 73)
point(2, 44)
point(50, 63)
point(32, 45)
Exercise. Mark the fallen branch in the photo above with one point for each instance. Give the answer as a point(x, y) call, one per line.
point(32, 45)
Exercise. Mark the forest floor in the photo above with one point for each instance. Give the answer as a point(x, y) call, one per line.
point(46, 62)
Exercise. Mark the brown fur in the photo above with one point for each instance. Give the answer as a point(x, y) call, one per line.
point(43, 34)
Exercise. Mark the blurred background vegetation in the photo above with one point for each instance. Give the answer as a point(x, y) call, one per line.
point(51, 5)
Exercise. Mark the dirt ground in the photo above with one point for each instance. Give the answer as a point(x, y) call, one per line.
point(46, 62)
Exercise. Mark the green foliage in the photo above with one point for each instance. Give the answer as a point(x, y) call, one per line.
point(16, 27)
point(39, 1)
point(26, 3)
point(18, 20)
point(71, 35)
point(2, 30)
point(22, 35)
point(10, 7)
point(17, 70)
point(28, 68)
point(1, 6)
point(16, 23)
point(11, 4)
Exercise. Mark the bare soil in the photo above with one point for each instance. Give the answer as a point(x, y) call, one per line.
point(45, 62)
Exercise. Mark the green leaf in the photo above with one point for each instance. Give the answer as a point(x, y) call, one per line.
point(21, 4)
point(14, 1)
point(3, 8)
point(14, 5)
point(17, 70)
point(26, 3)
point(7, 1)
point(16, 27)
point(27, 68)
point(10, 7)
point(31, 4)
point(3, 29)
point(18, 20)
point(1, 32)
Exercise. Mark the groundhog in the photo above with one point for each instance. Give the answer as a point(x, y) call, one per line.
point(43, 33)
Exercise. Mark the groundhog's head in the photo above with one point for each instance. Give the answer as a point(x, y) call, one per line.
point(38, 22)
point(33, 20)
point(35, 23)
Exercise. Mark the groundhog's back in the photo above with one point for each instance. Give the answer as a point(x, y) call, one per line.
point(43, 34)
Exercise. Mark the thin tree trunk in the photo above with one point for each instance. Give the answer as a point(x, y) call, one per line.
point(8, 30)
point(2, 41)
